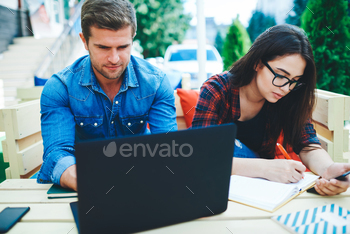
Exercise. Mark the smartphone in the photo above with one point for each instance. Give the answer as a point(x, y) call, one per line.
point(341, 178)
point(10, 216)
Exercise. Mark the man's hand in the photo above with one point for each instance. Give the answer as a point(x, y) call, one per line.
point(327, 185)
point(284, 171)
point(69, 178)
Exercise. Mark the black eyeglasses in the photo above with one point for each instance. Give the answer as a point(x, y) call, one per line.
point(280, 81)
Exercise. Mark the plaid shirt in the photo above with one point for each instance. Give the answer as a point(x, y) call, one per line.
point(218, 103)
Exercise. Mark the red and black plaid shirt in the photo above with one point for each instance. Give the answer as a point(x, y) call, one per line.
point(218, 103)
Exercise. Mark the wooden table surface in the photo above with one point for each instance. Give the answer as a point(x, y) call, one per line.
point(55, 216)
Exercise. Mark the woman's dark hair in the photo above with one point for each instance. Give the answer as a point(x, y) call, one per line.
point(290, 113)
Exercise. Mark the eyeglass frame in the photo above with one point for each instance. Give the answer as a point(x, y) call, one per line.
point(297, 85)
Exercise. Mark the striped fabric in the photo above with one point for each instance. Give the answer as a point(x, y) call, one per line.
point(310, 222)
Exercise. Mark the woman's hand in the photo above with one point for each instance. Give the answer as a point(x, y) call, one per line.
point(284, 171)
point(327, 185)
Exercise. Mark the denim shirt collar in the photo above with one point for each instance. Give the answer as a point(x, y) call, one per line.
point(88, 77)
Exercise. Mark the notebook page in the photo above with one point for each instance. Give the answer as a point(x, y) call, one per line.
point(304, 183)
point(260, 192)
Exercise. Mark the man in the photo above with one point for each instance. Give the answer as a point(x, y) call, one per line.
point(106, 94)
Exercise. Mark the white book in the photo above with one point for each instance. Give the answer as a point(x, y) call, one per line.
point(266, 195)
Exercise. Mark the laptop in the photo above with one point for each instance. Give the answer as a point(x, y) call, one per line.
point(137, 183)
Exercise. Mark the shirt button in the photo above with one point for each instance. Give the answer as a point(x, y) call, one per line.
point(129, 124)
point(81, 124)
point(112, 122)
point(141, 121)
point(95, 124)
point(116, 102)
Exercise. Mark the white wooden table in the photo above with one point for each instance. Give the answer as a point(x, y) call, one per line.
point(54, 215)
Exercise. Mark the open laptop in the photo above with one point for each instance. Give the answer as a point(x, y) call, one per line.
point(132, 184)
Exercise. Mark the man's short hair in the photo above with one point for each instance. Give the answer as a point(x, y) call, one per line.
point(107, 14)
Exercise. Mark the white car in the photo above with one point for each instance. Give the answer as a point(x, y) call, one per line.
point(183, 58)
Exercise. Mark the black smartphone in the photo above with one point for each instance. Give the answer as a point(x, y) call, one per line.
point(10, 216)
point(341, 178)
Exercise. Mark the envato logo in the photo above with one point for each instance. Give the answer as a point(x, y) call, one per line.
point(163, 150)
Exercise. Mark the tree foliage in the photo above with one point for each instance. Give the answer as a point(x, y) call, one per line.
point(328, 32)
point(237, 43)
point(259, 23)
point(219, 42)
point(295, 14)
point(159, 24)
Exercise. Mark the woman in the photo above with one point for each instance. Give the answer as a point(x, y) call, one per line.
point(270, 92)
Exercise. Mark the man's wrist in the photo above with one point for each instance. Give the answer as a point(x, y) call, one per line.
point(69, 178)
point(62, 164)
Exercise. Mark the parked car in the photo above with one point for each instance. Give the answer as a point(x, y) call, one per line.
point(183, 58)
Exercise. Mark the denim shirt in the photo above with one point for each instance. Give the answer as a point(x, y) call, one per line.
point(74, 107)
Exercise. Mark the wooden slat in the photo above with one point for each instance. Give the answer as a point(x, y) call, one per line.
point(8, 173)
point(30, 93)
point(260, 226)
point(179, 111)
point(181, 124)
point(347, 156)
point(346, 101)
point(327, 145)
point(2, 125)
point(346, 140)
point(320, 114)
point(29, 140)
point(29, 196)
point(236, 211)
point(29, 174)
point(28, 119)
point(208, 227)
point(44, 228)
point(337, 120)
point(5, 150)
point(347, 108)
point(18, 184)
point(31, 157)
point(323, 131)
point(24, 117)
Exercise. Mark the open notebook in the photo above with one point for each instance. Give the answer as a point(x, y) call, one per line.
point(266, 195)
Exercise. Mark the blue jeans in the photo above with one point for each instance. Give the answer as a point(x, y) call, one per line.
point(242, 151)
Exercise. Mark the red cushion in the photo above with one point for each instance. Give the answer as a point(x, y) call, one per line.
point(188, 100)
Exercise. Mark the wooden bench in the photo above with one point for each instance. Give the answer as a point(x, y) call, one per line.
point(23, 147)
point(331, 111)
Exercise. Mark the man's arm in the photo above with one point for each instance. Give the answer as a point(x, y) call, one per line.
point(162, 115)
point(58, 131)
